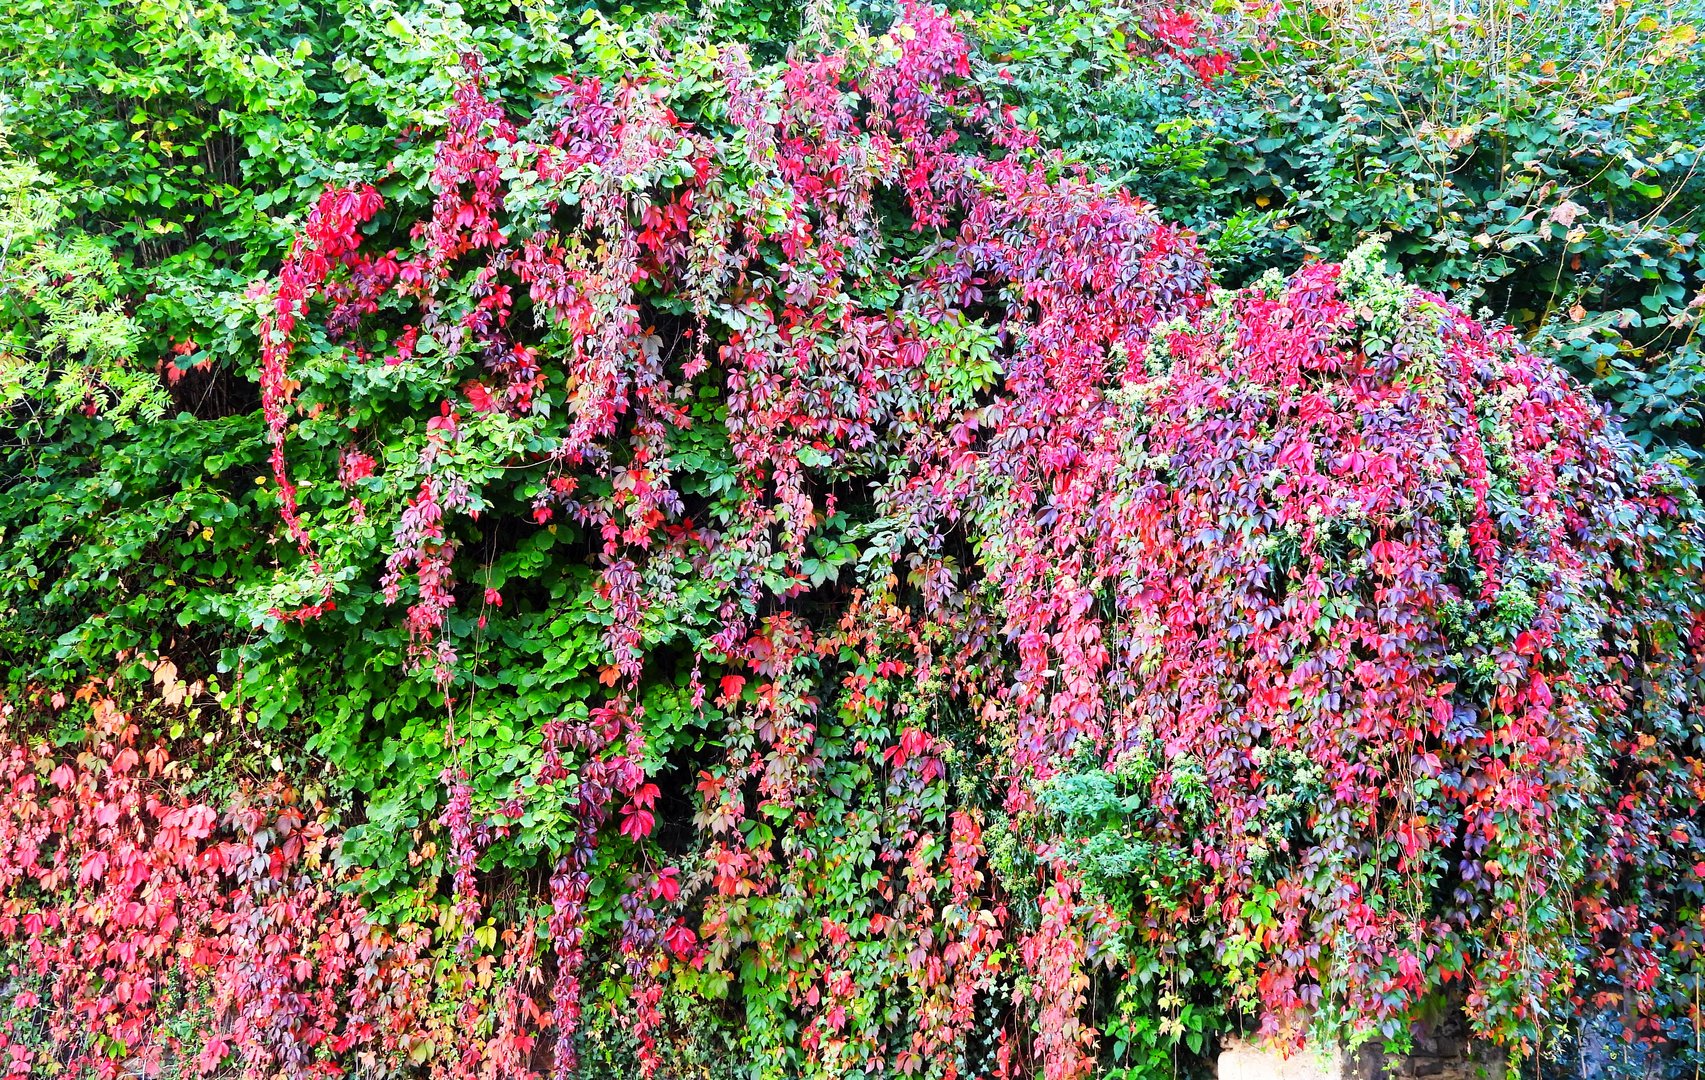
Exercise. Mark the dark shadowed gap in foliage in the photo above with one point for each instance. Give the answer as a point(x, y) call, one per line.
point(213, 393)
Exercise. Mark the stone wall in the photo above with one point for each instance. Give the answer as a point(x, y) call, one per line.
point(1596, 1050)
point(1443, 1052)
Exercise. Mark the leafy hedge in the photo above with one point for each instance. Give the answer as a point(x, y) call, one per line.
point(1538, 162)
point(708, 561)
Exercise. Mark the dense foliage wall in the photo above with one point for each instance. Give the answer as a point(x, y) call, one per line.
point(607, 550)
point(1537, 162)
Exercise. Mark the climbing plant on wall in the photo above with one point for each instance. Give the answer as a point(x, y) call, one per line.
point(776, 566)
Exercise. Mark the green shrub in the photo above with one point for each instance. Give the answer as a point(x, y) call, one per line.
point(1539, 161)
point(66, 341)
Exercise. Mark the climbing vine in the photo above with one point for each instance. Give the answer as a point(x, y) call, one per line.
point(798, 548)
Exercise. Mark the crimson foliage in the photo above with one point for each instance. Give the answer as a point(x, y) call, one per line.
point(153, 929)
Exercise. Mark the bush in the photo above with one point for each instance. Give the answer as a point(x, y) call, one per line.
point(1384, 585)
point(797, 573)
point(1535, 162)
point(1541, 162)
point(146, 929)
point(69, 343)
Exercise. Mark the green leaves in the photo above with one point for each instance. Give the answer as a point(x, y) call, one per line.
point(68, 343)
point(1556, 184)
point(890, 491)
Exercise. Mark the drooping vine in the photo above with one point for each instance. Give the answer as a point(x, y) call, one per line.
point(982, 599)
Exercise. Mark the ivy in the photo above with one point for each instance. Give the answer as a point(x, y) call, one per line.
point(753, 558)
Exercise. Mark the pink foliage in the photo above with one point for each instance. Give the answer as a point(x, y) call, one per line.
point(132, 906)
point(1315, 525)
